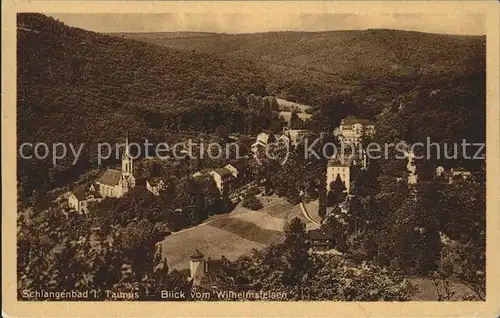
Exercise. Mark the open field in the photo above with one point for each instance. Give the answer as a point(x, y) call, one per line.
point(287, 103)
point(211, 241)
point(232, 235)
point(247, 230)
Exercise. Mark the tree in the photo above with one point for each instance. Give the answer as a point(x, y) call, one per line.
point(252, 203)
point(287, 267)
point(222, 132)
point(295, 121)
point(336, 192)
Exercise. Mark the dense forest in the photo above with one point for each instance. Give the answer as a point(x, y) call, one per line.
point(404, 75)
point(306, 66)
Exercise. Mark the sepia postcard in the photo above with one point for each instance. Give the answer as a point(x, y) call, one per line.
point(241, 159)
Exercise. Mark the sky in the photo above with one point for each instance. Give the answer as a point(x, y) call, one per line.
point(464, 24)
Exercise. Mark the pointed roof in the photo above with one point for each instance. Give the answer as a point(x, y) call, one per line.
point(197, 255)
point(127, 148)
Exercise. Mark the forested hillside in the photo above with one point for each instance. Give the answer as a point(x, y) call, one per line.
point(408, 80)
point(76, 86)
point(87, 78)
point(306, 65)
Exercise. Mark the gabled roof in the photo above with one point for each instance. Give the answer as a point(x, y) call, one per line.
point(197, 255)
point(110, 177)
point(350, 120)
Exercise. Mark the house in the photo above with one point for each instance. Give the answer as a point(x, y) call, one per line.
point(321, 240)
point(155, 185)
point(202, 271)
point(261, 139)
point(352, 130)
point(82, 198)
point(223, 179)
point(280, 143)
point(112, 183)
point(115, 183)
point(439, 172)
point(457, 173)
point(339, 168)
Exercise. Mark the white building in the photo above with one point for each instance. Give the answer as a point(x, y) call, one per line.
point(80, 199)
point(341, 168)
point(412, 168)
point(295, 135)
point(439, 172)
point(223, 179)
point(115, 183)
point(112, 183)
point(352, 130)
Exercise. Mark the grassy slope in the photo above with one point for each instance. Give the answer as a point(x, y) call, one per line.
point(232, 236)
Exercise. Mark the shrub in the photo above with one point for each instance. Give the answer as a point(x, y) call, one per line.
point(252, 203)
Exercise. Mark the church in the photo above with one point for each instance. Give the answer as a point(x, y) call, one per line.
point(113, 183)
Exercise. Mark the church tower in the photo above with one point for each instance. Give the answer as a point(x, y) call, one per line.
point(127, 162)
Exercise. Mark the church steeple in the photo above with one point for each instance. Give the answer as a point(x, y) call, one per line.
point(127, 162)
